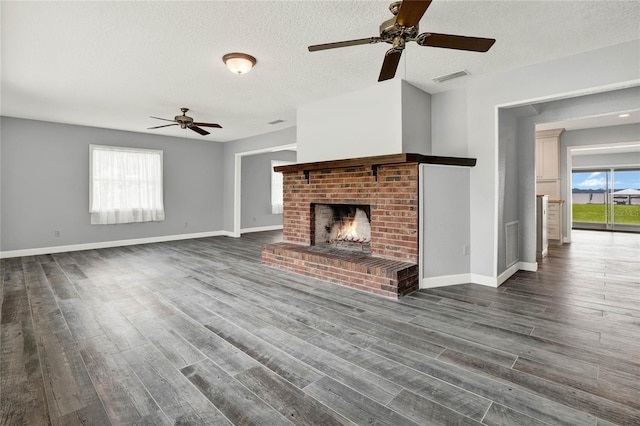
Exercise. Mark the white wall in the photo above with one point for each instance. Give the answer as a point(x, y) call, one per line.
point(357, 124)
point(593, 71)
point(388, 118)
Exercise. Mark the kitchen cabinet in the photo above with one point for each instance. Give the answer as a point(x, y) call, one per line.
point(548, 154)
point(555, 215)
point(542, 242)
point(547, 158)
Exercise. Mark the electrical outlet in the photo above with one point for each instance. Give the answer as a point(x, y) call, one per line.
point(466, 250)
point(186, 224)
point(56, 233)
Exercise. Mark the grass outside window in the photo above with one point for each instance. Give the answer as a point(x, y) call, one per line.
point(596, 213)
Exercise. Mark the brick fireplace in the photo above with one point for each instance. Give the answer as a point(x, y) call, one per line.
point(382, 190)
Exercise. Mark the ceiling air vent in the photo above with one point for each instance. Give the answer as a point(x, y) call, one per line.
point(276, 122)
point(451, 76)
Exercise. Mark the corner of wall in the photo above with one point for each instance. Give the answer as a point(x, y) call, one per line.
point(416, 119)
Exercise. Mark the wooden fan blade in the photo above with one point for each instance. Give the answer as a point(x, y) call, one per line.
point(208, 125)
point(199, 130)
point(370, 40)
point(390, 64)
point(158, 118)
point(449, 41)
point(411, 12)
point(164, 125)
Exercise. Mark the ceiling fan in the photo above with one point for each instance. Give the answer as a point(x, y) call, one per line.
point(403, 27)
point(186, 122)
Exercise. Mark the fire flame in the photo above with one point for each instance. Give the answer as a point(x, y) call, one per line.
point(347, 232)
point(355, 229)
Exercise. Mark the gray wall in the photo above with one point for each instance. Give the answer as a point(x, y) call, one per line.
point(576, 107)
point(508, 180)
point(592, 71)
point(606, 160)
point(448, 127)
point(521, 168)
point(599, 136)
point(446, 229)
point(526, 164)
point(416, 120)
point(268, 140)
point(256, 189)
point(45, 185)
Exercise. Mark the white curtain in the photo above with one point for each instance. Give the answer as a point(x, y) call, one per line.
point(276, 187)
point(126, 185)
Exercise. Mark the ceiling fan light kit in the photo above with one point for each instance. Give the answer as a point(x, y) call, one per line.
point(402, 28)
point(239, 63)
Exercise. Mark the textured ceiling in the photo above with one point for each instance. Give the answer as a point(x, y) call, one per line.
point(113, 64)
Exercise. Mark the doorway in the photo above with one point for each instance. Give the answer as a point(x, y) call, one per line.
point(606, 199)
point(237, 184)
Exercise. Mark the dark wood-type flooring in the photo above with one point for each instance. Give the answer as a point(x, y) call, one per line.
point(199, 332)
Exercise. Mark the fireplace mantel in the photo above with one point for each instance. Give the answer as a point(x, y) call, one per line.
point(378, 160)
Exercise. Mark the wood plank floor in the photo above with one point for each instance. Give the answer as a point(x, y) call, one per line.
point(199, 332)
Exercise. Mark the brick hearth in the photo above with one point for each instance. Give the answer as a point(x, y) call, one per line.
point(386, 277)
point(389, 184)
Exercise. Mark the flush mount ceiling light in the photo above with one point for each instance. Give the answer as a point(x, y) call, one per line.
point(239, 63)
point(625, 115)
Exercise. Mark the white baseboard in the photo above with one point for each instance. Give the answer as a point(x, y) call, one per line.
point(445, 280)
point(528, 266)
point(107, 244)
point(484, 280)
point(261, 229)
point(524, 266)
point(506, 274)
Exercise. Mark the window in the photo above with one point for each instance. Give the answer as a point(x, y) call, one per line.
point(276, 187)
point(125, 185)
point(606, 198)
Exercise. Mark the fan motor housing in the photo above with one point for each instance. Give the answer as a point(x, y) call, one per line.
point(389, 30)
point(184, 121)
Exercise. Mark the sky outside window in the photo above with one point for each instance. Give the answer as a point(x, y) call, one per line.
point(624, 179)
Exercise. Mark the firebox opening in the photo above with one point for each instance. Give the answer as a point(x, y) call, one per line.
point(343, 225)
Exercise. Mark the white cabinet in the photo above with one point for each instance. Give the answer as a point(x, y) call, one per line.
point(548, 163)
point(548, 154)
point(547, 158)
point(548, 183)
point(555, 214)
point(542, 243)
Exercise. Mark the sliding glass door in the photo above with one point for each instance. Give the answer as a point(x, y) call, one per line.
point(606, 199)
